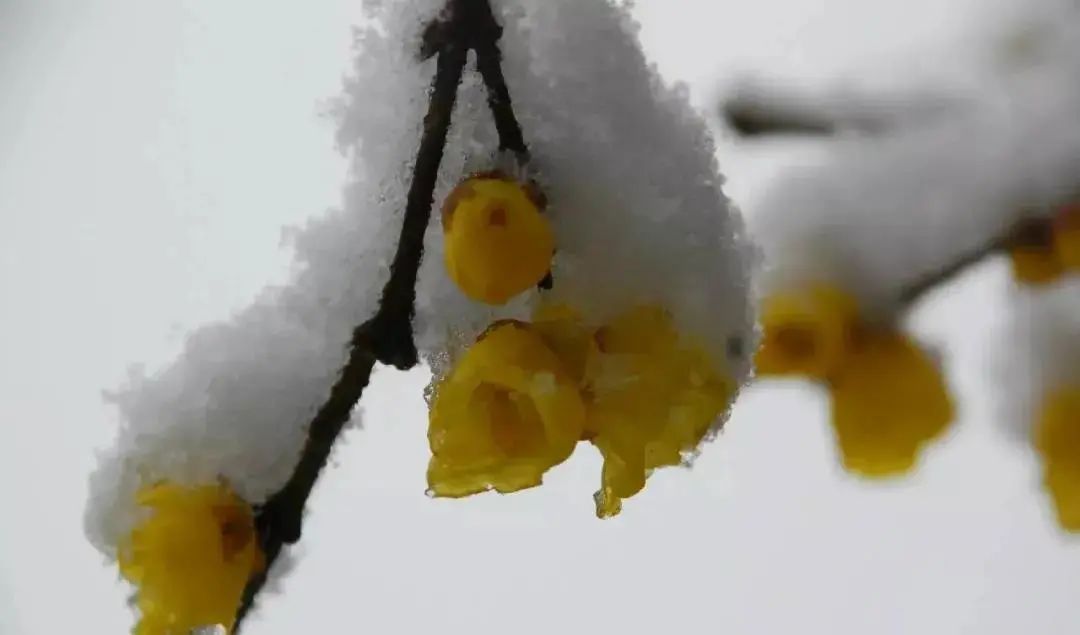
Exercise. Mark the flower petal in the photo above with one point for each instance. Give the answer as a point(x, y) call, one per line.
point(507, 413)
point(888, 399)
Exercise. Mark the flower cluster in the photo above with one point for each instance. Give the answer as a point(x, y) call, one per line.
point(190, 557)
point(519, 399)
point(618, 315)
point(888, 396)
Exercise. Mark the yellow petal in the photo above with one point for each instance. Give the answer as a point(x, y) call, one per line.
point(191, 557)
point(1034, 258)
point(1057, 439)
point(505, 414)
point(652, 397)
point(889, 399)
point(497, 242)
point(564, 331)
point(806, 331)
point(1067, 237)
point(1035, 265)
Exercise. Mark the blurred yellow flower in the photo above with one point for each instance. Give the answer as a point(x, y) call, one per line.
point(1067, 236)
point(507, 412)
point(1047, 251)
point(497, 242)
point(190, 557)
point(807, 331)
point(888, 397)
point(1057, 439)
point(1035, 264)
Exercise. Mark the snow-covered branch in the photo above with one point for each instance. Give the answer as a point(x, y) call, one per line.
point(387, 337)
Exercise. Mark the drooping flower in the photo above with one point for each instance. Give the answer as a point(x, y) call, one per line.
point(190, 557)
point(1067, 236)
point(1047, 251)
point(1057, 440)
point(505, 414)
point(652, 398)
point(1034, 259)
point(643, 395)
point(805, 333)
point(498, 244)
point(888, 396)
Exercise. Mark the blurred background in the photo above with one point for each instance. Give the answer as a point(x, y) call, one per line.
point(150, 155)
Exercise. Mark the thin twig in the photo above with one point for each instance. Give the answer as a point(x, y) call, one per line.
point(489, 64)
point(755, 120)
point(387, 337)
point(1033, 231)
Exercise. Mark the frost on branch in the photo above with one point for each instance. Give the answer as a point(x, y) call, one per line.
point(631, 261)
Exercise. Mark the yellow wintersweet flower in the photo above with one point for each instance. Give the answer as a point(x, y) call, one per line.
point(497, 242)
point(569, 337)
point(652, 396)
point(888, 399)
point(1035, 264)
point(507, 412)
point(1057, 439)
point(190, 557)
point(806, 331)
point(1067, 237)
point(1047, 250)
point(520, 399)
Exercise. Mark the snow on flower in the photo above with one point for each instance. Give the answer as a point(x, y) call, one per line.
point(636, 238)
point(851, 236)
point(641, 231)
point(190, 556)
point(507, 413)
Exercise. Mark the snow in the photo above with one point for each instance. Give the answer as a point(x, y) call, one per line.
point(145, 175)
point(874, 213)
point(636, 206)
point(1038, 352)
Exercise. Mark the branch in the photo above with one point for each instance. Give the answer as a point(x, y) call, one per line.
point(755, 120)
point(1031, 231)
point(760, 108)
point(387, 336)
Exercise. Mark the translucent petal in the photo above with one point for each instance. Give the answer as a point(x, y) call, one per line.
point(652, 397)
point(505, 414)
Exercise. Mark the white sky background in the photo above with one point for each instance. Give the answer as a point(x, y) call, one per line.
point(150, 153)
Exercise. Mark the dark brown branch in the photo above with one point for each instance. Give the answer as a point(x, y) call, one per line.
point(761, 108)
point(387, 337)
point(1032, 231)
point(489, 64)
point(753, 120)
